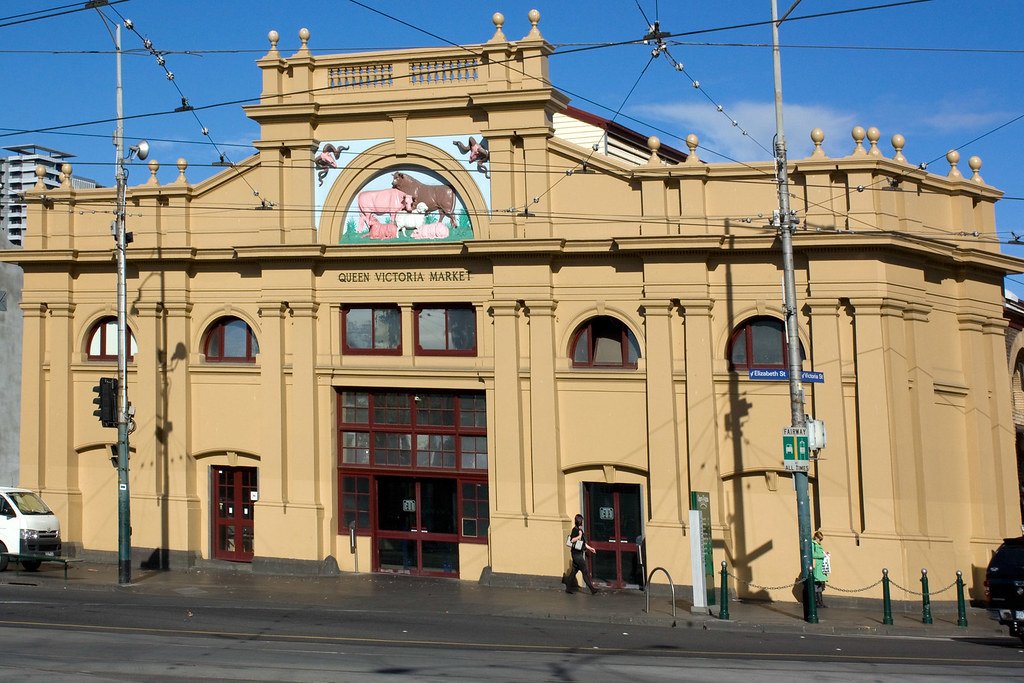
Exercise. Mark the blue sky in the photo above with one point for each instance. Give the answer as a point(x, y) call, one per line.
point(941, 73)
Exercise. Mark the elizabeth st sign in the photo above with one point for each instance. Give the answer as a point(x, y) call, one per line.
point(778, 374)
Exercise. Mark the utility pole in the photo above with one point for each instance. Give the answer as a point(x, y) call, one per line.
point(124, 408)
point(786, 224)
point(124, 521)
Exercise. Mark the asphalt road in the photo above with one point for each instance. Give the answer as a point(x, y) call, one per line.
point(53, 634)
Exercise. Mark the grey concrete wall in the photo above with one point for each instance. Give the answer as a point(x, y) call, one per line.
point(11, 279)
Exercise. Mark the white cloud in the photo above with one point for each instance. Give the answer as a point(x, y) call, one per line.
point(717, 134)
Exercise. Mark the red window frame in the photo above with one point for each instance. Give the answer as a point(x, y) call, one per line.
point(372, 351)
point(585, 335)
point(349, 501)
point(744, 334)
point(216, 332)
point(100, 328)
point(476, 494)
point(385, 414)
point(447, 351)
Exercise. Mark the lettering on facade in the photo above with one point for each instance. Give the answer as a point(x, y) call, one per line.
point(402, 276)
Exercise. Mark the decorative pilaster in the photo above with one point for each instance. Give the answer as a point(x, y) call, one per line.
point(507, 481)
point(302, 448)
point(548, 498)
point(837, 478)
point(878, 426)
point(701, 460)
point(60, 474)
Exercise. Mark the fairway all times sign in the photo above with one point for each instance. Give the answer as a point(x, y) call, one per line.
point(795, 452)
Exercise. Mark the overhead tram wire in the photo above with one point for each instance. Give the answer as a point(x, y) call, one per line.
point(509, 61)
point(185, 106)
point(852, 48)
point(53, 12)
point(525, 210)
point(655, 128)
point(660, 48)
point(751, 24)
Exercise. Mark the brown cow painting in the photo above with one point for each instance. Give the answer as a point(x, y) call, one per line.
point(440, 198)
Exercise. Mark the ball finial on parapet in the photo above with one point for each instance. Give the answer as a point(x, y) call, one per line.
point(818, 137)
point(953, 157)
point(154, 166)
point(654, 144)
point(182, 165)
point(65, 175)
point(898, 141)
point(499, 21)
point(692, 142)
point(975, 164)
point(273, 37)
point(304, 37)
point(858, 134)
point(534, 17)
point(874, 135)
point(40, 174)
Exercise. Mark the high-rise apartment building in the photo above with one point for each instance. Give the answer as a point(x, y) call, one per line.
point(18, 173)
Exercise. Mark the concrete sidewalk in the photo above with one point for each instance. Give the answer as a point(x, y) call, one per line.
point(236, 584)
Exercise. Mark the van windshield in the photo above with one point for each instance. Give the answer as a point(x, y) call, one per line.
point(29, 503)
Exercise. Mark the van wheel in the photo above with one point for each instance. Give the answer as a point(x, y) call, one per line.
point(30, 565)
point(3, 557)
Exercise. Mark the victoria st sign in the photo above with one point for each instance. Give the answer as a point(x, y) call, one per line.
point(779, 374)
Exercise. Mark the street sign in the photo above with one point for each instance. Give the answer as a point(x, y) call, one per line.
point(795, 453)
point(781, 375)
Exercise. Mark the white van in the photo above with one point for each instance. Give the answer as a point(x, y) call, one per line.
point(27, 527)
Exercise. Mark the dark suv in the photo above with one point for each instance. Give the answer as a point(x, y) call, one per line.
point(1004, 585)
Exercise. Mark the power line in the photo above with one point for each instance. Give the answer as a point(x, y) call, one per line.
point(27, 17)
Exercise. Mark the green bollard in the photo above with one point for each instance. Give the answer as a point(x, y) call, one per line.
point(886, 599)
point(926, 601)
point(723, 610)
point(961, 607)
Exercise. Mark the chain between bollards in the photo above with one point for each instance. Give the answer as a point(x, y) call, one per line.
point(926, 601)
point(723, 610)
point(961, 607)
point(886, 599)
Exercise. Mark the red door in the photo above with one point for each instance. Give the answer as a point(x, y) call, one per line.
point(614, 525)
point(234, 490)
point(416, 526)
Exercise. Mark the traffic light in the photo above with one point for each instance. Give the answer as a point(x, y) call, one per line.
point(106, 401)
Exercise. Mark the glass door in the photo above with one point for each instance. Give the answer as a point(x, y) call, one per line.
point(614, 523)
point(416, 529)
point(235, 493)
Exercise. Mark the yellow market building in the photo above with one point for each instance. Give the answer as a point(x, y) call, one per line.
point(443, 311)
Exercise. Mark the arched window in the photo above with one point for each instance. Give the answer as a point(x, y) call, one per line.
point(604, 342)
point(231, 340)
point(102, 344)
point(760, 343)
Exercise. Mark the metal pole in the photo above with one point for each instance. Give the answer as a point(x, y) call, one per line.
point(796, 391)
point(723, 608)
point(124, 527)
point(926, 600)
point(961, 606)
point(886, 599)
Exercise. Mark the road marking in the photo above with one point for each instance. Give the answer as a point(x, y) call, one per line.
point(512, 647)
